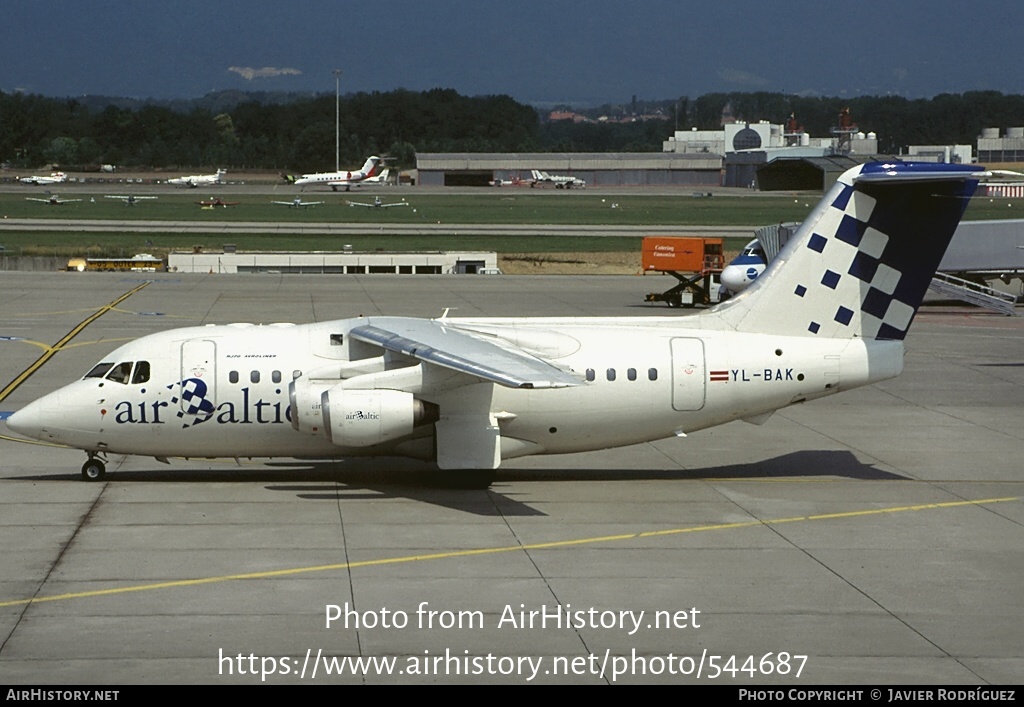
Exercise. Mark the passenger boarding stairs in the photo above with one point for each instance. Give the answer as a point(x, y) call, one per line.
point(973, 293)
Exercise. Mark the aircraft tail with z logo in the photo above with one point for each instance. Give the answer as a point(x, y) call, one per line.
point(860, 264)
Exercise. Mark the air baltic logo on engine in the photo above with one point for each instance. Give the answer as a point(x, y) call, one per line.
point(360, 415)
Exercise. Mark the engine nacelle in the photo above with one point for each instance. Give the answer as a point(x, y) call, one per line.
point(304, 397)
point(361, 418)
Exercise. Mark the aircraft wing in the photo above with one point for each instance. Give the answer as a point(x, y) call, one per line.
point(438, 342)
point(359, 203)
point(397, 203)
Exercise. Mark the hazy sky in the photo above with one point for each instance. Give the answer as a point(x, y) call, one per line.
point(583, 51)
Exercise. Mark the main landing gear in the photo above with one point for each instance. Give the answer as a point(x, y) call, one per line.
point(94, 469)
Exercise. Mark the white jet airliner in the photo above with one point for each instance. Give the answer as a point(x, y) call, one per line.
point(829, 314)
point(53, 178)
point(559, 180)
point(743, 269)
point(344, 179)
point(199, 180)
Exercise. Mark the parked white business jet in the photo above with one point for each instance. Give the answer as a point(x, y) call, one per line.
point(199, 180)
point(54, 178)
point(829, 314)
point(344, 179)
point(560, 181)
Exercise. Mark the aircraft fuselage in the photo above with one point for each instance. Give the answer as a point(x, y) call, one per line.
point(255, 391)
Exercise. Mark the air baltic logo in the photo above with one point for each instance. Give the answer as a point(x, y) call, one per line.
point(194, 407)
point(191, 400)
point(360, 415)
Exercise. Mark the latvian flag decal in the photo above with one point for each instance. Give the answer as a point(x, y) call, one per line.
point(720, 376)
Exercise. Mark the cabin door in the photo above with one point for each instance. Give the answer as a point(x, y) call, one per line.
point(688, 375)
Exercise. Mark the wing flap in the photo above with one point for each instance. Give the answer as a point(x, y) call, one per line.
point(441, 344)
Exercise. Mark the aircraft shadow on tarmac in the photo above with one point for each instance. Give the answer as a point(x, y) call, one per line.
point(380, 478)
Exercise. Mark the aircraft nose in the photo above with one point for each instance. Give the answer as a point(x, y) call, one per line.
point(733, 277)
point(27, 421)
point(41, 419)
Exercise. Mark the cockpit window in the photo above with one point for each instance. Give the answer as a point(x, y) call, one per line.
point(99, 370)
point(120, 373)
point(141, 374)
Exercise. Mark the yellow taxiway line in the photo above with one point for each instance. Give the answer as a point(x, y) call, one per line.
point(51, 351)
point(289, 572)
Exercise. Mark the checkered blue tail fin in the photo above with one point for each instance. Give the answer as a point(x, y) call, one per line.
point(861, 262)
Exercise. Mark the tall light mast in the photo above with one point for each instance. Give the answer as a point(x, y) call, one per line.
point(337, 120)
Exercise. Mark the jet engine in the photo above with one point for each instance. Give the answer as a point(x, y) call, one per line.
point(304, 398)
point(362, 418)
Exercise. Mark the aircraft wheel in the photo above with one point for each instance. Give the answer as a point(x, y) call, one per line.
point(94, 470)
point(466, 478)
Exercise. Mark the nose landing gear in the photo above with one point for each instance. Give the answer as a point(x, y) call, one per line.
point(94, 469)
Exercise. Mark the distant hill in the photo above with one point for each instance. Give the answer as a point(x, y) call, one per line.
point(215, 101)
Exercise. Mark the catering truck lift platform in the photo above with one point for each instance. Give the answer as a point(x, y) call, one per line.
point(694, 261)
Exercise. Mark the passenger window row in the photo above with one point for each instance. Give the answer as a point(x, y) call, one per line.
point(255, 376)
point(611, 374)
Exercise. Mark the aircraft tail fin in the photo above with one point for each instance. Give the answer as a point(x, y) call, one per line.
point(370, 166)
point(537, 175)
point(861, 262)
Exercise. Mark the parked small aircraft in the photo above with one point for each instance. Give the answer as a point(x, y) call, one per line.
point(378, 203)
point(297, 203)
point(130, 199)
point(217, 203)
point(52, 200)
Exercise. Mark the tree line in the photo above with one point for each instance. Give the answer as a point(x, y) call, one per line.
point(297, 132)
